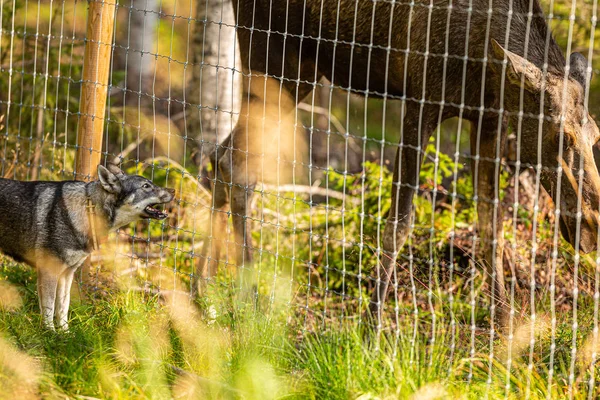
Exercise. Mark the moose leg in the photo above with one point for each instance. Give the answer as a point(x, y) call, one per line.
point(239, 168)
point(265, 106)
point(208, 262)
point(487, 145)
point(418, 126)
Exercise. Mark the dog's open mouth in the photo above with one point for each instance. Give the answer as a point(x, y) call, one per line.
point(154, 213)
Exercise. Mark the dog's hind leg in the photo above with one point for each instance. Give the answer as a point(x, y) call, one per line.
point(63, 298)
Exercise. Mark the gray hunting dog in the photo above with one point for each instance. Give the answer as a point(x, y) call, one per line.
point(52, 226)
point(493, 63)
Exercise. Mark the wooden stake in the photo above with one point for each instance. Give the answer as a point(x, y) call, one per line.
point(92, 106)
point(96, 66)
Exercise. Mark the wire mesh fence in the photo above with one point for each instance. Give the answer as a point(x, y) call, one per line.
point(478, 241)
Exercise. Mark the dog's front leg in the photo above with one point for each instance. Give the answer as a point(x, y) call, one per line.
point(46, 284)
point(63, 298)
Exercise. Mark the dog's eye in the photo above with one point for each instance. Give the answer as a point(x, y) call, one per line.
point(146, 186)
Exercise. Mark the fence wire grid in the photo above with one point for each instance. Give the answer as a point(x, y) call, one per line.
point(316, 147)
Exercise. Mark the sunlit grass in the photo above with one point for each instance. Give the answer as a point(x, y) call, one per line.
point(130, 344)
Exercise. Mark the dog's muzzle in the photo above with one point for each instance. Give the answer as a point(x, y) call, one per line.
point(152, 212)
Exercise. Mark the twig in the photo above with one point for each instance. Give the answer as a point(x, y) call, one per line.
point(336, 122)
point(159, 292)
point(185, 174)
point(98, 258)
point(132, 146)
point(319, 191)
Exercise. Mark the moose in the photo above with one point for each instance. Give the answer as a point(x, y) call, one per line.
point(494, 64)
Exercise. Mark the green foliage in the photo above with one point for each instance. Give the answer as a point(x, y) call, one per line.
point(345, 367)
point(580, 35)
point(343, 244)
point(41, 120)
point(134, 345)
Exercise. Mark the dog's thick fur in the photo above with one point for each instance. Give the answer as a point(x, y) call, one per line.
point(48, 226)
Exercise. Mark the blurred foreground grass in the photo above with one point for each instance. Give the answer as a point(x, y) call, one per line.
point(129, 344)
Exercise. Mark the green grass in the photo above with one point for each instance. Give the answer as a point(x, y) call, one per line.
point(131, 343)
point(134, 345)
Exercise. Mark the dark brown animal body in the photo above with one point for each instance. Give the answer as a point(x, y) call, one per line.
point(442, 59)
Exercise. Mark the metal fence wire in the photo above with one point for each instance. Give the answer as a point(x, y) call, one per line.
point(479, 240)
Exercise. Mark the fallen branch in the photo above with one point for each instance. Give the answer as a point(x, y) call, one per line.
point(314, 190)
point(184, 173)
point(130, 147)
point(159, 292)
point(99, 258)
point(336, 122)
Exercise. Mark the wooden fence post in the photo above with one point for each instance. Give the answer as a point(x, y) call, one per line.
point(94, 88)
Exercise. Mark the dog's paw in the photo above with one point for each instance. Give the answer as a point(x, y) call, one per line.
point(64, 328)
point(49, 327)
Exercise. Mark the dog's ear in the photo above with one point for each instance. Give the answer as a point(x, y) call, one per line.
point(109, 181)
point(115, 170)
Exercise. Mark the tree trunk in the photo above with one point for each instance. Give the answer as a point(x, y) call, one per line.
point(214, 92)
point(143, 25)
